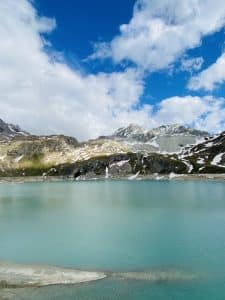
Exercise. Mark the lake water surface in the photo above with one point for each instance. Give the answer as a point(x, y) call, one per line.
point(118, 226)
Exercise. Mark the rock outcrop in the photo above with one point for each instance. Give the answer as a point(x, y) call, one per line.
point(129, 151)
point(166, 138)
point(9, 131)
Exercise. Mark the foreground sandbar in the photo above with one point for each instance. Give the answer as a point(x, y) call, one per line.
point(18, 276)
point(15, 275)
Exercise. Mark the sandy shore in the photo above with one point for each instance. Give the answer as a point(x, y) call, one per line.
point(15, 275)
point(171, 176)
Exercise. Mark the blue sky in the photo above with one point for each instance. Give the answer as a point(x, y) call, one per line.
point(82, 23)
point(84, 68)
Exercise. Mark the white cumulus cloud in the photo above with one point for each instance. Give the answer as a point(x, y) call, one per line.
point(205, 113)
point(211, 77)
point(191, 64)
point(45, 96)
point(161, 31)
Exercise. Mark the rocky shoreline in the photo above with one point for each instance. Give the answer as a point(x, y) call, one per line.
point(171, 176)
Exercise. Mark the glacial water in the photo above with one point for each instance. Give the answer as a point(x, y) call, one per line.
point(118, 226)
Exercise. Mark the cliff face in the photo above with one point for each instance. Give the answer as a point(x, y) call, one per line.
point(169, 138)
point(130, 150)
point(8, 131)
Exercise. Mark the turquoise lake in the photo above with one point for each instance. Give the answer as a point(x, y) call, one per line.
point(118, 226)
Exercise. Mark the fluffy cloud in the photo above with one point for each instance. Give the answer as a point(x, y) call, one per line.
point(211, 77)
point(191, 64)
point(44, 95)
point(160, 31)
point(205, 113)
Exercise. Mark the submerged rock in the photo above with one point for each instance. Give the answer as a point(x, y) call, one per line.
point(159, 276)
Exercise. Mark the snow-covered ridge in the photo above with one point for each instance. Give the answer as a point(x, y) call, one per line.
point(131, 152)
point(176, 129)
point(217, 159)
point(166, 138)
point(131, 130)
point(8, 131)
point(134, 130)
point(209, 152)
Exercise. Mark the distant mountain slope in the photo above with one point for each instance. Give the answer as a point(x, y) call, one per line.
point(8, 131)
point(135, 131)
point(130, 151)
point(169, 138)
point(206, 157)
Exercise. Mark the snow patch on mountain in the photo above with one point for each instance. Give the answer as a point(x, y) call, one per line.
point(166, 138)
point(217, 159)
point(119, 163)
point(8, 131)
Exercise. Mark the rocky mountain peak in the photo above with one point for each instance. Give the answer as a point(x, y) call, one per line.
point(134, 131)
point(165, 138)
point(130, 131)
point(131, 151)
point(174, 129)
point(10, 130)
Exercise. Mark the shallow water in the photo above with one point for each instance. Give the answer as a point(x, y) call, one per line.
point(118, 226)
point(109, 289)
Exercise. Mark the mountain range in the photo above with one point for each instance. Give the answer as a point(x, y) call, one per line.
point(129, 152)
